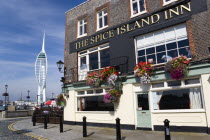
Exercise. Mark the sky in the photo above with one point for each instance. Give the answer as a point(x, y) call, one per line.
point(22, 25)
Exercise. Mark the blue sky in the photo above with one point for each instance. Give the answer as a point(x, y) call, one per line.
point(21, 30)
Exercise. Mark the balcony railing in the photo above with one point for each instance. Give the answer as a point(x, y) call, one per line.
point(80, 73)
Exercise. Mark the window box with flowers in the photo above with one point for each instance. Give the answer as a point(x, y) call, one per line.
point(93, 79)
point(145, 71)
point(177, 67)
point(109, 74)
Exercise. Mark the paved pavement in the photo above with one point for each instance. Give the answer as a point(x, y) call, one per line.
point(7, 134)
point(72, 132)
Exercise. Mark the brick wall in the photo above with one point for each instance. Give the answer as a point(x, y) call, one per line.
point(119, 12)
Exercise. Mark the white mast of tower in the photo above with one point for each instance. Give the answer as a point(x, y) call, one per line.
point(41, 73)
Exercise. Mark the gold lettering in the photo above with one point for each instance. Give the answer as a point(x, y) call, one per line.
point(98, 37)
point(186, 8)
point(128, 28)
point(118, 31)
point(105, 34)
point(92, 40)
point(123, 29)
point(137, 25)
point(111, 33)
point(152, 18)
point(76, 45)
point(145, 21)
point(173, 11)
point(86, 42)
point(166, 14)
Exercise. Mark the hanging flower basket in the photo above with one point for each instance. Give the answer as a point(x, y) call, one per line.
point(93, 79)
point(60, 100)
point(145, 71)
point(112, 96)
point(177, 67)
point(109, 74)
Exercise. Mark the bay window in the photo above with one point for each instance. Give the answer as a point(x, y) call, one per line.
point(160, 46)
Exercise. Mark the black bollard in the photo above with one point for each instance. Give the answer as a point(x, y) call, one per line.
point(118, 130)
point(167, 131)
point(84, 127)
point(45, 121)
point(61, 123)
point(34, 119)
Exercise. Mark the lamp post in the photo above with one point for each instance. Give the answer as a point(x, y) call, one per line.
point(28, 97)
point(37, 98)
point(60, 65)
point(5, 95)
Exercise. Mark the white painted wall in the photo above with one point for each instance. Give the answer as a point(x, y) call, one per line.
point(124, 109)
point(205, 79)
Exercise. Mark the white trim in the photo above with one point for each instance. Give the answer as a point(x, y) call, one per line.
point(179, 111)
point(102, 17)
point(138, 6)
point(83, 24)
point(166, 3)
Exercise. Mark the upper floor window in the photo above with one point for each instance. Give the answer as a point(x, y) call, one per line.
point(93, 59)
point(82, 28)
point(102, 19)
point(168, 1)
point(137, 7)
point(159, 47)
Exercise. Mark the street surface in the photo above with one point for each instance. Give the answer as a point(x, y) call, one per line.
point(7, 134)
point(22, 129)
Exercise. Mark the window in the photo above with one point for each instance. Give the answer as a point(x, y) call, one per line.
point(137, 7)
point(93, 59)
point(187, 96)
point(165, 2)
point(82, 28)
point(159, 47)
point(102, 19)
point(93, 100)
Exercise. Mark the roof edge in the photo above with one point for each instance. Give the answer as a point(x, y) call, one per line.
point(76, 6)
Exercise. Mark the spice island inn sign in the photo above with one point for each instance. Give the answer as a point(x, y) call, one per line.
point(125, 28)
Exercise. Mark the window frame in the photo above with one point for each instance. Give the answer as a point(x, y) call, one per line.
point(168, 2)
point(103, 19)
point(182, 86)
point(91, 95)
point(163, 42)
point(87, 54)
point(138, 6)
point(83, 27)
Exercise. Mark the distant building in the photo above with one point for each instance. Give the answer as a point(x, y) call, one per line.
point(121, 33)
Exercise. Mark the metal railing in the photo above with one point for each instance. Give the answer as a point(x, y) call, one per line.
point(77, 74)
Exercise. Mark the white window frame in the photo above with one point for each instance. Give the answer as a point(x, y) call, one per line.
point(89, 95)
point(83, 24)
point(138, 6)
point(164, 42)
point(103, 20)
point(168, 2)
point(89, 51)
point(182, 86)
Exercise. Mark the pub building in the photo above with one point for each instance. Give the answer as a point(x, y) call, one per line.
point(122, 33)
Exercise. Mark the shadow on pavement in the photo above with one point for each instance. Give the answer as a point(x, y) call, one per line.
point(67, 130)
point(91, 134)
